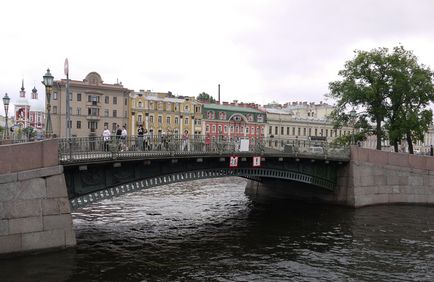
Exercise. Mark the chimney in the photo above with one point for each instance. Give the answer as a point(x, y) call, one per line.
point(219, 94)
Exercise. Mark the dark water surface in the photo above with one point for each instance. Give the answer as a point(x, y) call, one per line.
point(208, 230)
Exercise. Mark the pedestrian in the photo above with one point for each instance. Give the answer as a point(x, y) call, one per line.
point(118, 132)
point(207, 143)
point(106, 136)
point(147, 139)
point(185, 144)
point(124, 135)
point(140, 133)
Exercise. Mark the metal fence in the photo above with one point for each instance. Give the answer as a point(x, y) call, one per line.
point(81, 149)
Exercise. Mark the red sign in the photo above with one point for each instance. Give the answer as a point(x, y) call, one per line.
point(256, 161)
point(233, 161)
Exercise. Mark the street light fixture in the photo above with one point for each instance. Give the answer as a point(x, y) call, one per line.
point(353, 123)
point(6, 101)
point(48, 82)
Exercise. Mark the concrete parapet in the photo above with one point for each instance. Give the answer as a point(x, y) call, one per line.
point(28, 156)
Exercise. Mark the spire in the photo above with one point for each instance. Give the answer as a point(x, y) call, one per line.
point(22, 92)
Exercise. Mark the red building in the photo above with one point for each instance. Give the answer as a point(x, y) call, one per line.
point(233, 121)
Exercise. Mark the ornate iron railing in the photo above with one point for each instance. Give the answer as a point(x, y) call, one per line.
point(84, 149)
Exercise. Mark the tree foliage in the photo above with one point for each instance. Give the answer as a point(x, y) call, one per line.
point(391, 89)
point(205, 97)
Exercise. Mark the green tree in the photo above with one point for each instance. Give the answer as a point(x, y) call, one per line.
point(205, 97)
point(393, 91)
point(364, 84)
point(411, 92)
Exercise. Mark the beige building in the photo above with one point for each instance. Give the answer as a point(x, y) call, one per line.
point(302, 121)
point(161, 112)
point(93, 104)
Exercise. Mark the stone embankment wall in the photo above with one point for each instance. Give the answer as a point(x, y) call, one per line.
point(372, 177)
point(34, 207)
point(376, 177)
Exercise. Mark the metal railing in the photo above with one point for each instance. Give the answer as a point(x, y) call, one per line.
point(81, 149)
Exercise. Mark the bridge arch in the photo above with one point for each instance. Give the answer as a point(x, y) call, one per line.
point(251, 173)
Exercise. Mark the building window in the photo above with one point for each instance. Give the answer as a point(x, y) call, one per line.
point(168, 120)
point(115, 113)
point(115, 100)
point(106, 112)
point(176, 120)
point(160, 119)
point(226, 129)
point(247, 130)
point(186, 120)
point(78, 111)
point(54, 109)
point(276, 130)
point(126, 101)
point(316, 132)
point(151, 119)
point(78, 97)
point(304, 131)
point(327, 132)
point(282, 130)
point(140, 104)
point(213, 128)
point(54, 95)
point(106, 99)
point(207, 128)
point(287, 130)
point(270, 130)
point(78, 124)
point(293, 131)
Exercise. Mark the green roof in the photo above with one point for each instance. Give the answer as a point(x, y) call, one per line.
point(239, 109)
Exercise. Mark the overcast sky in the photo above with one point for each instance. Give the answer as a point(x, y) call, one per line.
point(259, 51)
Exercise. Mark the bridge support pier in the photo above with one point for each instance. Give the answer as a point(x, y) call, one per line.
point(34, 206)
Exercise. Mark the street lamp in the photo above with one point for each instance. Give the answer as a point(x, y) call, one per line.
point(48, 82)
point(353, 123)
point(6, 101)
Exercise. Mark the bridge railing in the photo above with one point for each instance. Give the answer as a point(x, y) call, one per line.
point(81, 149)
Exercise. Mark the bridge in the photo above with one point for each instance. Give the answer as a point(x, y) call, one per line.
point(96, 170)
point(42, 182)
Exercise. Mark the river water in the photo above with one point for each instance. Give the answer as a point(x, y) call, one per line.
point(209, 230)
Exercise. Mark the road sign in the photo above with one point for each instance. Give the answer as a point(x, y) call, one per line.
point(256, 161)
point(233, 161)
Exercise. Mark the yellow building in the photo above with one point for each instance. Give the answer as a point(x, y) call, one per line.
point(160, 112)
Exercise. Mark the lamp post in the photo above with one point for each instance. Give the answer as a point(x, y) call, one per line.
point(353, 122)
point(6, 101)
point(48, 82)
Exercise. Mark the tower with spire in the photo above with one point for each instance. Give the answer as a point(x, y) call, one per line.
point(22, 109)
point(29, 113)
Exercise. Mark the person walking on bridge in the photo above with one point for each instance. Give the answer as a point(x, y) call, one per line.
point(140, 133)
point(106, 136)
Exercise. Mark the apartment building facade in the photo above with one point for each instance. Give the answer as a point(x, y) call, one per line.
point(163, 113)
point(93, 105)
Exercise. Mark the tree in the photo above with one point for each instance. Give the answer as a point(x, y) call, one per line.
point(392, 89)
point(205, 98)
point(411, 92)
